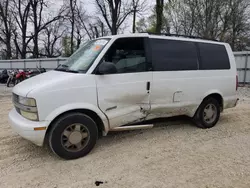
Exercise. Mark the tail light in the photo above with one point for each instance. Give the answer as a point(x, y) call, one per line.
point(237, 83)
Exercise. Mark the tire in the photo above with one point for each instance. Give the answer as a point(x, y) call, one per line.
point(64, 144)
point(200, 117)
point(14, 82)
point(17, 81)
point(8, 82)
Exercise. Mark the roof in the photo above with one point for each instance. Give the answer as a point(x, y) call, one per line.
point(175, 37)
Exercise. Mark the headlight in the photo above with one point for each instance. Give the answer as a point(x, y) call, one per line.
point(26, 107)
point(27, 101)
point(29, 115)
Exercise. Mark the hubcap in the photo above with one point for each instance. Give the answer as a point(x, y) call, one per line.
point(210, 113)
point(75, 137)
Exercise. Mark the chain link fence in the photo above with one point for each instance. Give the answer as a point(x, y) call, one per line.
point(242, 63)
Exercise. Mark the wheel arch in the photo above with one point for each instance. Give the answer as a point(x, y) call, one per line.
point(100, 119)
point(217, 96)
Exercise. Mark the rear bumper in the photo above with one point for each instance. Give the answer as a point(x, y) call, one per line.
point(25, 128)
point(231, 102)
point(237, 100)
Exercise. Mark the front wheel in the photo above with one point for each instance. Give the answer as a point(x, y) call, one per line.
point(208, 114)
point(73, 136)
point(8, 82)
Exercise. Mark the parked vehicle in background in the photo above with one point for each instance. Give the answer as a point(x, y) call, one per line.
point(36, 72)
point(114, 83)
point(21, 75)
point(4, 76)
point(16, 76)
point(12, 77)
point(24, 74)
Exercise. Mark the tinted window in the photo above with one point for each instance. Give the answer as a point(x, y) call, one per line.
point(128, 55)
point(172, 55)
point(213, 56)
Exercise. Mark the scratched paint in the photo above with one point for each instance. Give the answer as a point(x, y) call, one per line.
point(128, 99)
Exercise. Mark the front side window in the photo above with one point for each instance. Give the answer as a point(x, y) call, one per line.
point(173, 55)
point(128, 55)
point(84, 57)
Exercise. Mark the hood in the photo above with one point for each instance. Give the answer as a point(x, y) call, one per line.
point(42, 80)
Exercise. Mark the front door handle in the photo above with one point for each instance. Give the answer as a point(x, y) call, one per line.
point(148, 86)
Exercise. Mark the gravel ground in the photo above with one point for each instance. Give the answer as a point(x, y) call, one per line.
point(173, 154)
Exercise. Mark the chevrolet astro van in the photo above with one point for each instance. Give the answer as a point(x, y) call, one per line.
point(116, 82)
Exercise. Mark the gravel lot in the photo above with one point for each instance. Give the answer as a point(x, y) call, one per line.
point(173, 154)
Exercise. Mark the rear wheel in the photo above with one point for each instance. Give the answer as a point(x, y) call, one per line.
point(208, 114)
point(73, 136)
point(17, 81)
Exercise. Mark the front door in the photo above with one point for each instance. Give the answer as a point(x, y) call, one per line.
point(124, 96)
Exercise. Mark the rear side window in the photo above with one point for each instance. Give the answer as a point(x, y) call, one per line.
point(173, 55)
point(213, 56)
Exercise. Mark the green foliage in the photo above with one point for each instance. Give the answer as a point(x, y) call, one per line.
point(148, 24)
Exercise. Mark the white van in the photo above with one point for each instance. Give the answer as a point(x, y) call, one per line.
point(114, 83)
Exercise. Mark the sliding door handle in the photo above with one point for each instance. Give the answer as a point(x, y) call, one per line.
point(148, 86)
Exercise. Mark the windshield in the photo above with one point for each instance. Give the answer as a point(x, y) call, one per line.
point(84, 57)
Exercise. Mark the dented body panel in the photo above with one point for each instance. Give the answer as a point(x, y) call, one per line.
point(123, 98)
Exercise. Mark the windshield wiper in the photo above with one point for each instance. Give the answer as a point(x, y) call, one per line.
point(66, 70)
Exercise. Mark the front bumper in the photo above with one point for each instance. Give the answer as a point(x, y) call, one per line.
point(25, 128)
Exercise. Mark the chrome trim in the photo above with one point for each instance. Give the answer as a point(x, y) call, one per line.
point(25, 108)
point(16, 98)
point(134, 127)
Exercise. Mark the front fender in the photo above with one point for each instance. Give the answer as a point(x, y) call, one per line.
point(73, 106)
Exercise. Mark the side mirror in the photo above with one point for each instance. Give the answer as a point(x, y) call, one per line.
point(107, 68)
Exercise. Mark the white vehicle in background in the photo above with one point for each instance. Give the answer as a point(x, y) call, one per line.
point(114, 83)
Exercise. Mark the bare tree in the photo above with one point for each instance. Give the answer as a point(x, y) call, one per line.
point(238, 20)
point(226, 20)
point(21, 11)
point(53, 33)
point(114, 13)
point(39, 24)
point(72, 14)
point(159, 15)
point(75, 15)
point(138, 7)
point(92, 25)
point(6, 28)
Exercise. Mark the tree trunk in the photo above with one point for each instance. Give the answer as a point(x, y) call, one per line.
point(159, 14)
point(23, 51)
point(34, 7)
point(102, 29)
point(8, 46)
point(35, 49)
point(113, 30)
point(96, 32)
point(72, 7)
point(72, 37)
point(134, 20)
